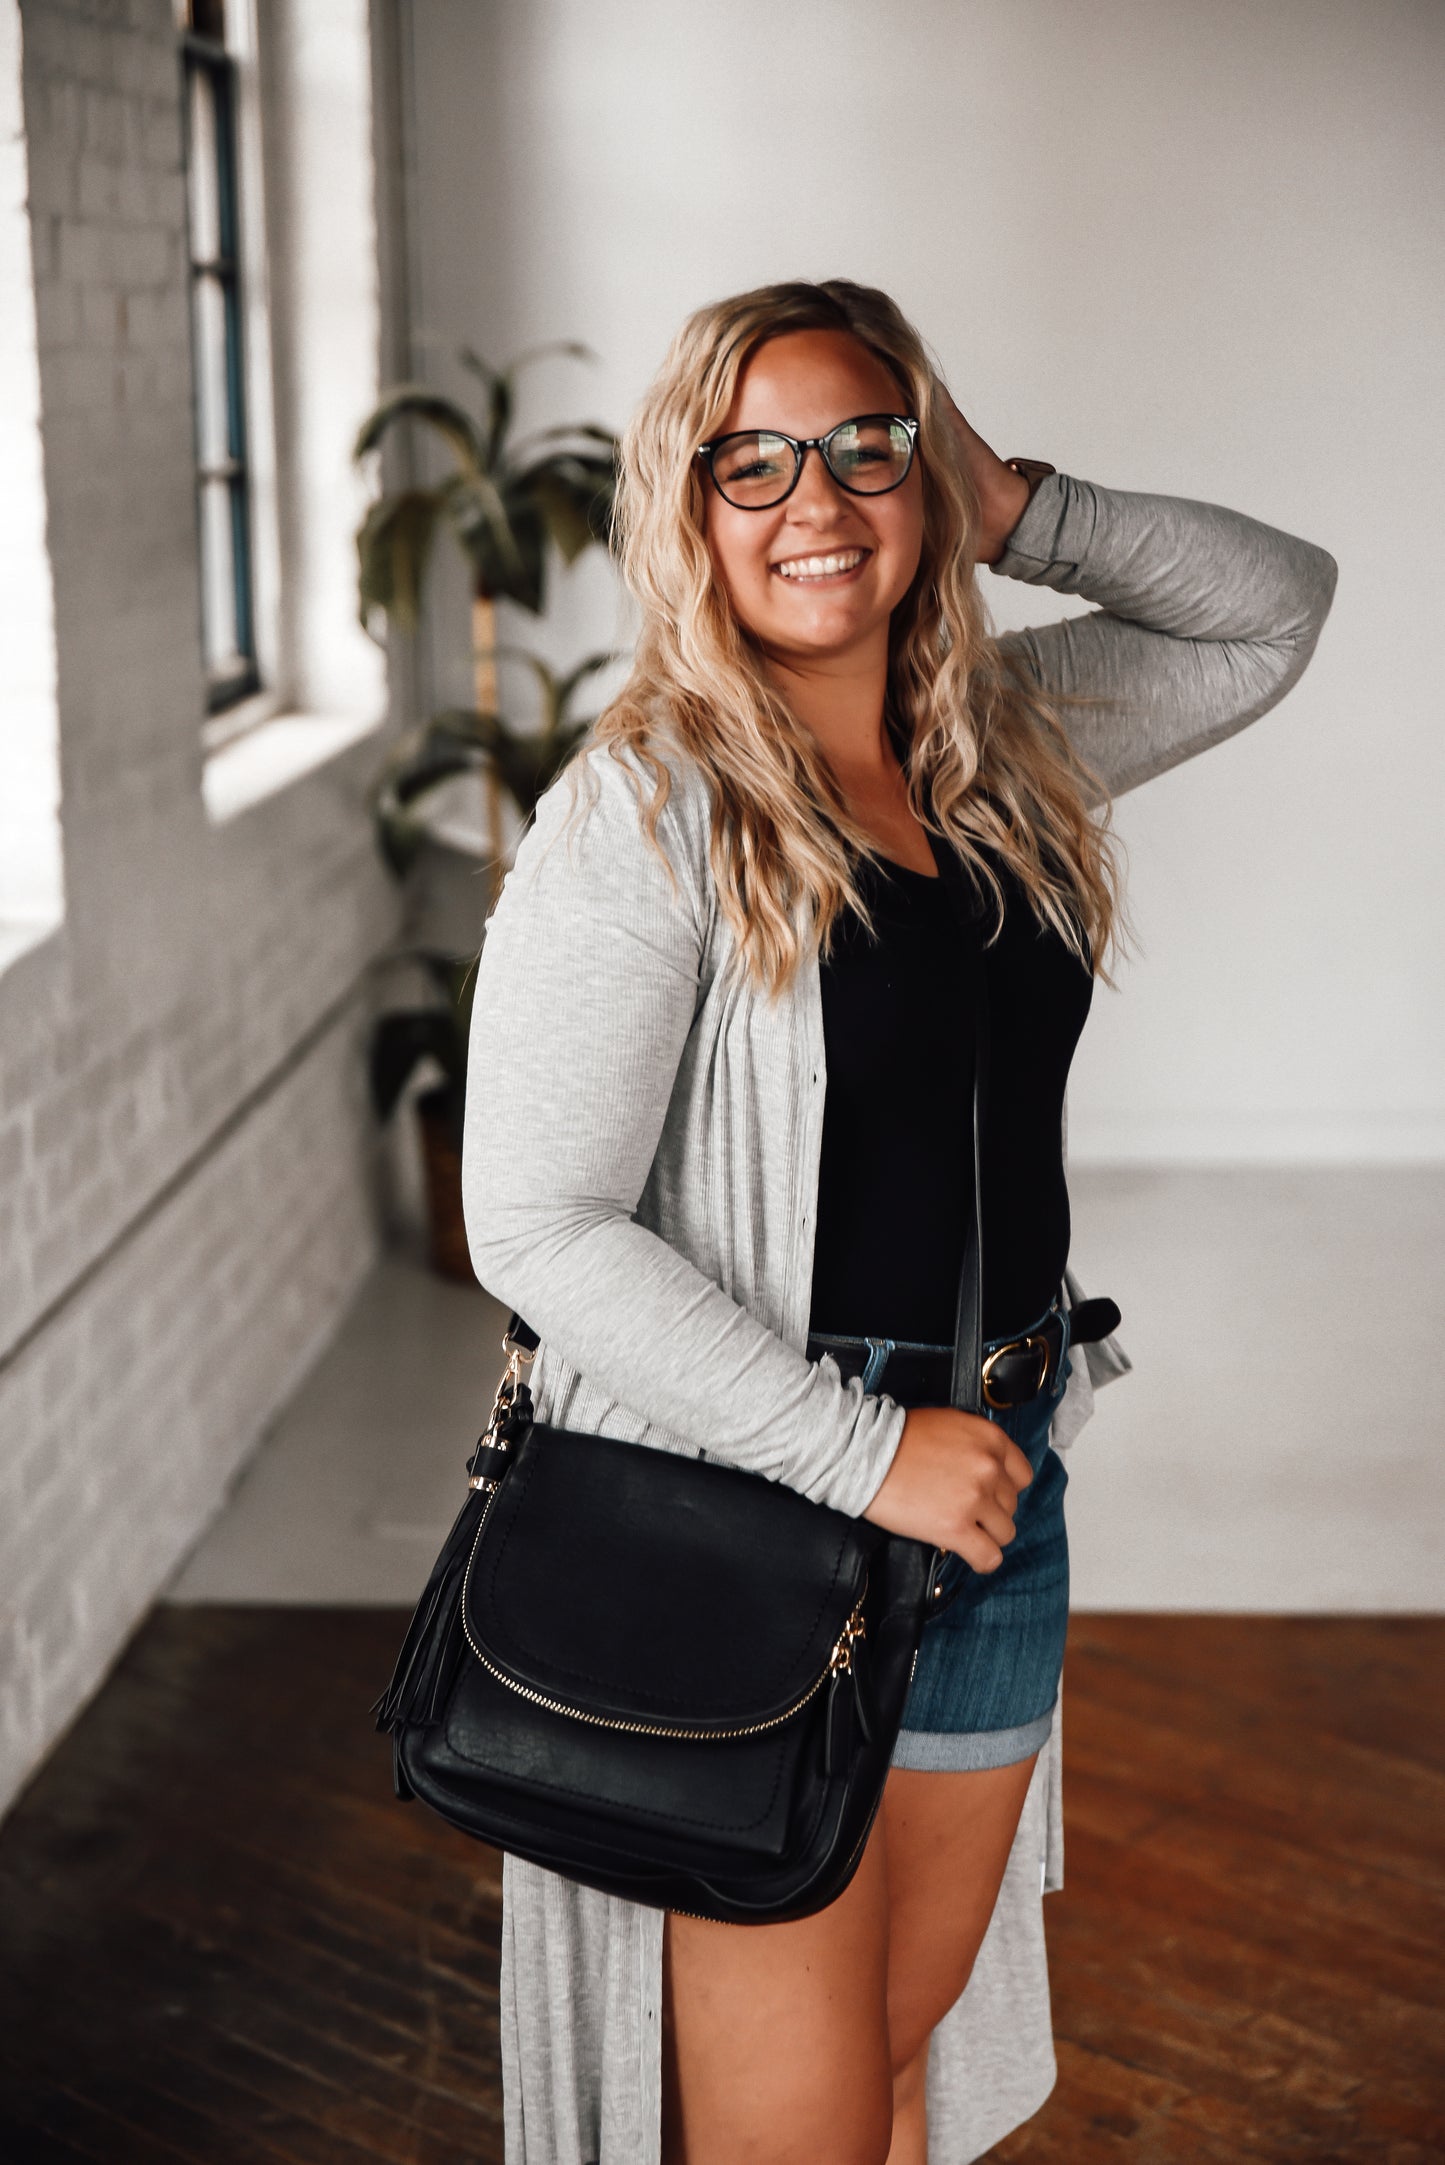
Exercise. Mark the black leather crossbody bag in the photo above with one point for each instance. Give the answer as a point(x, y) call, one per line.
point(662, 1676)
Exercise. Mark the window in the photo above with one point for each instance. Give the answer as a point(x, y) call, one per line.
point(32, 895)
point(223, 478)
point(281, 131)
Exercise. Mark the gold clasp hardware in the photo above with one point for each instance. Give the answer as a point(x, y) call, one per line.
point(1034, 1343)
point(491, 1438)
point(840, 1661)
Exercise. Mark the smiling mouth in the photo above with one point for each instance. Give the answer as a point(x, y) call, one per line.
point(808, 570)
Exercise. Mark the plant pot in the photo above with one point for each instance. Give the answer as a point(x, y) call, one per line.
point(438, 1115)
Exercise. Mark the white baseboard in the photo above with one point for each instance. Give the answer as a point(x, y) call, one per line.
point(1173, 1138)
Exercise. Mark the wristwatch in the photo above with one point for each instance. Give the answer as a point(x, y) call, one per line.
point(1030, 470)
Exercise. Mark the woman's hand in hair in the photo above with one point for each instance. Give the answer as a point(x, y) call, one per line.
point(1002, 494)
point(954, 1483)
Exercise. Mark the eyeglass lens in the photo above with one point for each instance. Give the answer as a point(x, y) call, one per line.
point(868, 456)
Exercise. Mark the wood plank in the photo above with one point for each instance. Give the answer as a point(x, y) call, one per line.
point(1359, 1678)
point(1257, 1858)
point(45, 2124)
point(1193, 1741)
point(315, 2022)
point(1222, 1927)
point(228, 1944)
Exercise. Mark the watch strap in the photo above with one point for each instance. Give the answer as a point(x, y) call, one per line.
point(1031, 470)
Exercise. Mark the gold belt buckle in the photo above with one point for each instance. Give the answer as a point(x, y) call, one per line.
point(1035, 1342)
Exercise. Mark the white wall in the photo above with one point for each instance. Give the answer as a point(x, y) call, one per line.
point(1191, 248)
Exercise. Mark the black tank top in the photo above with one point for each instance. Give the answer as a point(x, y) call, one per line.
point(895, 1182)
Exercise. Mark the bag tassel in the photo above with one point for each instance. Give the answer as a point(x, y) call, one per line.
point(435, 1642)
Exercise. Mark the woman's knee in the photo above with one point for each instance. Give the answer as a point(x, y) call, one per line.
point(910, 2078)
point(807, 2129)
point(867, 2139)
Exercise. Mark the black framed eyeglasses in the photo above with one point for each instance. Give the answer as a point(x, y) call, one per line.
point(753, 469)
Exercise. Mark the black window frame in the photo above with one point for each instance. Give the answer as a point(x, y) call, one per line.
point(201, 54)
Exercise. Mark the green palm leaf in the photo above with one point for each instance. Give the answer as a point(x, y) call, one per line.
point(505, 556)
point(413, 401)
point(393, 544)
point(504, 509)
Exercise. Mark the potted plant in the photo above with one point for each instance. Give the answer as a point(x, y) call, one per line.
point(505, 504)
point(402, 1039)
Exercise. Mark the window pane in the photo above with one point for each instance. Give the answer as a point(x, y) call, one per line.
point(218, 577)
point(217, 343)
point(213, 428)
point(204, 178)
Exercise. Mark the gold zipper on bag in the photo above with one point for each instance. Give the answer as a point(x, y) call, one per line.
point(840, 1660)
point(840, 1663)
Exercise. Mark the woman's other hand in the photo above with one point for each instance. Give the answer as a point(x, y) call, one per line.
point(1002, 494)
point(954, 1483)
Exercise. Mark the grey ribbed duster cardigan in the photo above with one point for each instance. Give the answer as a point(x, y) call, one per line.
point(640, 1173)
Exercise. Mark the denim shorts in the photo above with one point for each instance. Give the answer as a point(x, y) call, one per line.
point(989, 1664)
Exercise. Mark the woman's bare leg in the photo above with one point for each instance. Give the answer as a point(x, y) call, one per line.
point(787, 2044)
point(775, 2037)
point(947, 1839)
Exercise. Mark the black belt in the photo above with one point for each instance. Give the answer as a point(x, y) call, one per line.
point(1013, 1373)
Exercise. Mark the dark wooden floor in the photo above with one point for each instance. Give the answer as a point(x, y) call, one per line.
point(1248, 1961)
point(223, 1941)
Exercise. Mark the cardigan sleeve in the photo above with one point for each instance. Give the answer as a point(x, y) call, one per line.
point(1205, 620)
point(587, 988)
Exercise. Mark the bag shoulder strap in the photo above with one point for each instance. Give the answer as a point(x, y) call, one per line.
point(967, 1387)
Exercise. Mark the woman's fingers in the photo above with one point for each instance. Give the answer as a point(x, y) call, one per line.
point(1012, 1462)
point(979, 1552)
point(965, 432)
point(955, 1480)
point(1002, 494)
point(994, 1528)
point(996, 1518)
point(1016, 1467)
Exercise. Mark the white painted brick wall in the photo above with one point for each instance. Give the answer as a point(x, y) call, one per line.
point(126, 1416)
point(186, 1160)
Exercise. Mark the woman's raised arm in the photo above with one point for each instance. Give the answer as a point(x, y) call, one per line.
point(587, 989)
point(1205, 619)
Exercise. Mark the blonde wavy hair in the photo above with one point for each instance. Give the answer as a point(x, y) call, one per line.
point(986, 760)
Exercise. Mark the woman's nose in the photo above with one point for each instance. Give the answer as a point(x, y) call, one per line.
point(816, 491)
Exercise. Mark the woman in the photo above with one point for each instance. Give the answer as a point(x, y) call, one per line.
point(717, 1153)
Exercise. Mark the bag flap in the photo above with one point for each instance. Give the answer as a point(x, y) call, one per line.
point(657, 1786)
point(637, 1585)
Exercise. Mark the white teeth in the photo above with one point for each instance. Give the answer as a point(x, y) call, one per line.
point(821, 567)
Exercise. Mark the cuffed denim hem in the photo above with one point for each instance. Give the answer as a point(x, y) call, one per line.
point(941, 1751)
